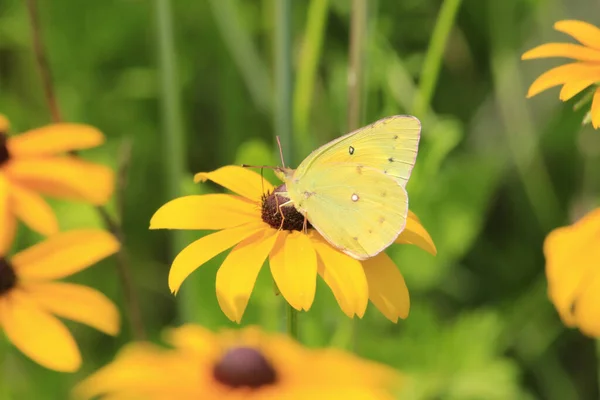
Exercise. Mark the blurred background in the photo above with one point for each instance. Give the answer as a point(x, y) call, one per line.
point(495, 172)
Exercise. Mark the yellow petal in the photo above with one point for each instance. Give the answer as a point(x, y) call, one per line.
point(64, 254)
point(54, 139)
point(293, 264)
point(8, 222)
point(568, 50)
point(344, 275)
point(585, 33)
point(596, 109)
point(587, 308)
point(237, 275)
point(415, 233)
point(565, 73)
point(64, 177)
point(39, 335)
point(570, 89)
point(208, 211)
point(202, 250)
point(78, 303)
point(572, 257)
point(33, 210)
point(242, 181)
point(194, 338)
point(139, 368)
point(387, 289)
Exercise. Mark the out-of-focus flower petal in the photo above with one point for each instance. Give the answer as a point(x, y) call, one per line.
point(8, 222)
point(63, 177)
point(563, 74)
point(585, 33)
point(78, 303)
point(571, 89)
point(39, 335)
point(64, 254)
point(33, 210)
point(567, 50)
point(596, 109)
point(54, 139)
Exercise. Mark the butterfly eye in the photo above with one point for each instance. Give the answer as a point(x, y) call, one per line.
point(351, 150)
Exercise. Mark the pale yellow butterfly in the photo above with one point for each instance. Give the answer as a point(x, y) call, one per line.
point(352, 189)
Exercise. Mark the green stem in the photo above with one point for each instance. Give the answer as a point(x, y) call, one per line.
point(173, 137)
point(433, 58)
point(291, 321)
point(283, 107)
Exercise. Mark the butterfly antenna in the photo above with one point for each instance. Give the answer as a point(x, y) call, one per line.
point(280, 152)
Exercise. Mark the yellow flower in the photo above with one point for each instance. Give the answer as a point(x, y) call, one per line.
point(250, 224)
point(243, 364)
point(29, 298)
point(576, 76)
point(34, 163)
point(572, 268)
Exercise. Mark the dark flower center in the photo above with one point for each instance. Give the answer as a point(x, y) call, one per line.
point(4, 156)
point(244, 367)
point(8, 279)
point(286, 217)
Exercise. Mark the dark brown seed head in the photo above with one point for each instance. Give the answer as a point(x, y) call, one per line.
point(277, 216)
point(4, 155)
point(244, 367)
point(8, 279)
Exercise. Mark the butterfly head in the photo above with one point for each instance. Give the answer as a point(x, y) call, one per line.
point(284, 173)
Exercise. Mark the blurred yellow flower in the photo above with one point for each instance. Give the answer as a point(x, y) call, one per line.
point(576, 76)
point(250, 224)
point(243, 364)
point(573, 272)
point(34, 163)
point(29, 298)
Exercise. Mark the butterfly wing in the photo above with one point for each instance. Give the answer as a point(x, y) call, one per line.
point(358, 209)
point(389, 145)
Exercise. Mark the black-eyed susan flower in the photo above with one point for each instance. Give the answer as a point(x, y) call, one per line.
point(35, 163)
point(30, 299)
point(572, 259)
point(249, 222)
point(243, 364)
point(576, 76)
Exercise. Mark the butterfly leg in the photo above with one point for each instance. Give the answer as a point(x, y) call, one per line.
point(305, 225)
point(278, 206)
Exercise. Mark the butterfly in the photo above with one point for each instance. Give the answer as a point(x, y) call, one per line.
point(352, 190)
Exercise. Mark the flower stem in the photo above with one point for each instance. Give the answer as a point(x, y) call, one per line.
point(291, 321)
point(112, 224)
point(433, 58)
point(283, 108)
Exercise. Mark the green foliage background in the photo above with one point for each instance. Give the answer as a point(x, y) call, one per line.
point(495, 173)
